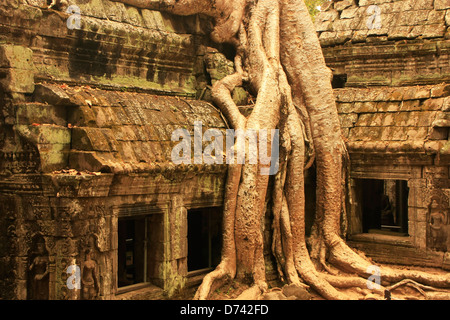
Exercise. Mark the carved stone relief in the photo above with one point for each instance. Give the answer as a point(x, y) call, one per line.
point(38, 272)
point(437, 224)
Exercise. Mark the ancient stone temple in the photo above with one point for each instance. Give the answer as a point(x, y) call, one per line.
point(92, 205)
point(391, 67)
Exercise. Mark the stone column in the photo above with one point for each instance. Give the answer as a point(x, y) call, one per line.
point(177, 257)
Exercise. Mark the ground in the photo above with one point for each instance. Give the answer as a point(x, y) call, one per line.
point(232, 289)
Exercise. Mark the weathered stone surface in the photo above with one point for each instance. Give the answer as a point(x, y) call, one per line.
point(16, 68)
point(376, 23)
point(54, 96)
point(391, 115)
point(274, 295)
point(112, 45)
point(441, 4)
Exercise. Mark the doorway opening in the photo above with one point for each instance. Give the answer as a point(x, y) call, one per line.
point(132, 251)
point(204, 238)
point(384, 206)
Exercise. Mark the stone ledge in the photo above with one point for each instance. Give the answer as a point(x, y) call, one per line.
point(135, 48)
point(399, 254)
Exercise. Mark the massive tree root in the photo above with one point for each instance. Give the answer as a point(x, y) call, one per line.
point(279, 59)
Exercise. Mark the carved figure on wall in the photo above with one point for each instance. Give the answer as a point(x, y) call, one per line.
point(39, 273)
point(89, 279)
point(437, 223)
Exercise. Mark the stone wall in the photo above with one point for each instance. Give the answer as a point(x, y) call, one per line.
point(387, 42)
point(391, 68)
point(86, 124)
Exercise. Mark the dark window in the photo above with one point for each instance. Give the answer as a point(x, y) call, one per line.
point(131, 251)
point(384, 206)
point(204, 238)
point(339, 81)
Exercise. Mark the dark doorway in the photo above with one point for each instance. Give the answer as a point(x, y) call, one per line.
point(384, 206)
point(131, 251)
point(204, 238)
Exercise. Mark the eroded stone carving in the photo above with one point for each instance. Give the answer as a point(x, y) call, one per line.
point(437, 222)
point(89, 277)
point(39, 273)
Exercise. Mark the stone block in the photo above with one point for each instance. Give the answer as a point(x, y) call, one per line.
point(93, 8)
point(399, 32)
point(28, 113)
point(421, 93)
point(345, 107)
point(416, 31)
point(432, 104)
point(105, 117)
point(82, 116)
point(349, 13)
point(420, 238)
point(324, 26)
point(441, 4)
point(153, 19)
point(343, 37)
point(53, 95)
point(115, 11)
point(365, 107)
point(18, 57)
point(134, 17)
point(365, 133)
point(411, 228)
point(435, 172)
point(53, 156)
point(344, 25)
point(418, 197)
point(126, 152)
point(327, 38)
point(300, 293)
point(329, 15)
point(440, 91)
point(417, 183)
point(423, 4)
point(344, 4)
point(393, 133)
point(446, 263)
point(436, 17)
point(359, 36)
point(438, 133)
point(179, 249)
point(17, 80)
point(182, 267)
point(348, 120)
point(364, 120)
point(412, 18)
point(447, 17)
point(434, 31)
point(45, 134)
point(96, 138)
